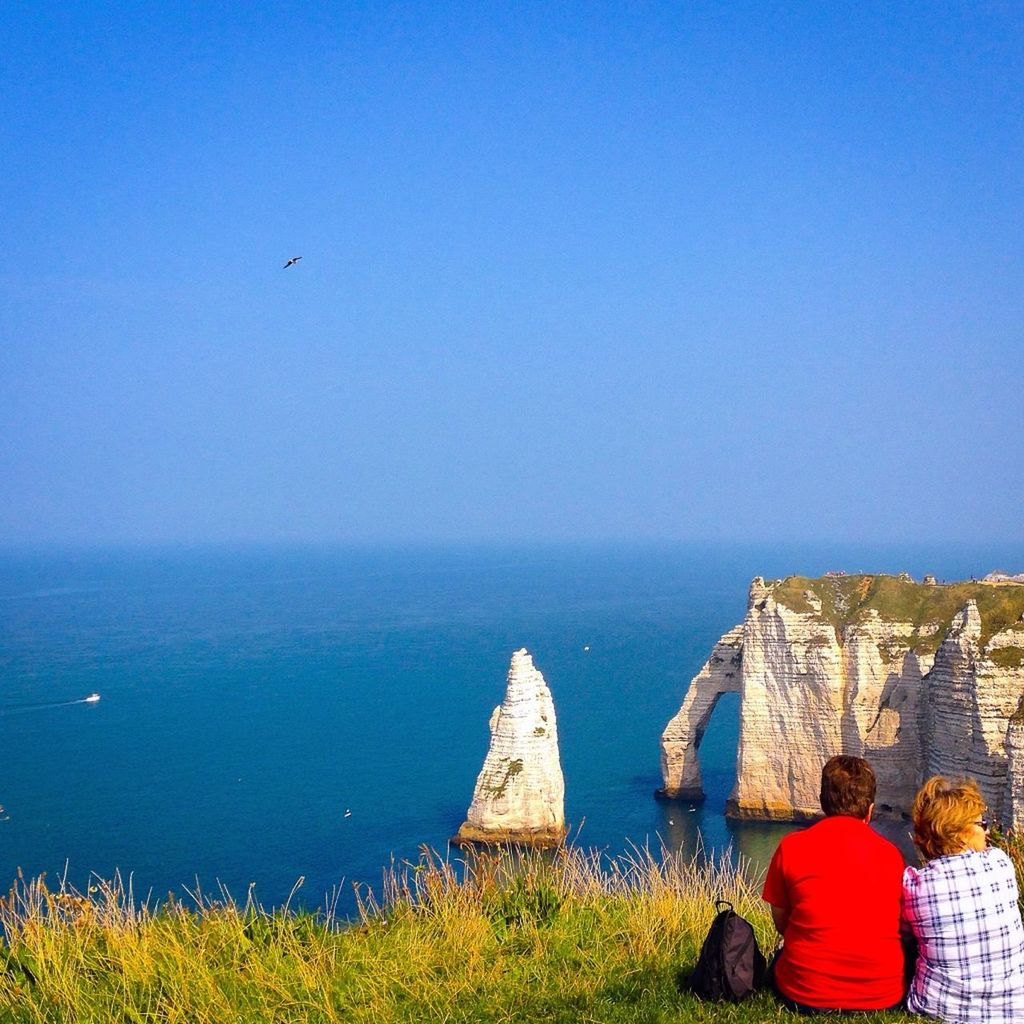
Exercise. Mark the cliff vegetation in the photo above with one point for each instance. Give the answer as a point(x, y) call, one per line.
point(929, 609)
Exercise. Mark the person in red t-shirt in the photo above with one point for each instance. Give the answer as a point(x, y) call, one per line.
point(835, 891)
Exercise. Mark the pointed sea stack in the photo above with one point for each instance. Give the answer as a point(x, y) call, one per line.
point(520, 793)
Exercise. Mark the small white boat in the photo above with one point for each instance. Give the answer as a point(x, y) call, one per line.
point(92, 698)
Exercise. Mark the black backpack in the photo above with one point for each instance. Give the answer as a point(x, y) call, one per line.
point(730, 965)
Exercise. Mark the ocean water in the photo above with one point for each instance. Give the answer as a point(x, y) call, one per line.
point(251, 697)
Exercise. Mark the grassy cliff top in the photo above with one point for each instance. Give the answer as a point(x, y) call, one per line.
point(845, 599)
point(510, 938)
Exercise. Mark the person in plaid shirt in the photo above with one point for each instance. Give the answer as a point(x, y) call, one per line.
point(962, 908)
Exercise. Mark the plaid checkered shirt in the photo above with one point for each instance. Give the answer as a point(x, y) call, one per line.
point(964, 914)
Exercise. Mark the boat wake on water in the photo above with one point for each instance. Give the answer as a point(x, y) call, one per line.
point(11, 709)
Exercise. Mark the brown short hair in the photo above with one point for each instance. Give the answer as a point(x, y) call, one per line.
point(943, 812)
point(847, 786)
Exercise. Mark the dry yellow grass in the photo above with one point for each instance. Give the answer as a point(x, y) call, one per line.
point(569, 936)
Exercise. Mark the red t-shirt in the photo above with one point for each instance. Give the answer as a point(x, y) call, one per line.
point(841, 883)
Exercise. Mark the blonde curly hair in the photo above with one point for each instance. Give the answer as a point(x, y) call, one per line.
point(943, 813)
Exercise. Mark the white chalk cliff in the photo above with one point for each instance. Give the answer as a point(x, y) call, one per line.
point(520, 793)
point(918, 679)
point(680, 767)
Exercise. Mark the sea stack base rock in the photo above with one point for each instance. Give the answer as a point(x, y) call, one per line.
point(520, 793)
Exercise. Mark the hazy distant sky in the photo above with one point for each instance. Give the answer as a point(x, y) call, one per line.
point(571, 270)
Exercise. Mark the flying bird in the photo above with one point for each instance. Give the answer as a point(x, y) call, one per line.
point(291, 262)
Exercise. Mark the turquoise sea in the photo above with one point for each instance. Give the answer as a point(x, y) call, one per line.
point(251, 696)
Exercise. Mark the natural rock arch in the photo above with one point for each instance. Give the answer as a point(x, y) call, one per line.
point(680, 742)
point(919, 679)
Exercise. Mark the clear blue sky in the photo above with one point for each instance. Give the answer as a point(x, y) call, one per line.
point(571, 271)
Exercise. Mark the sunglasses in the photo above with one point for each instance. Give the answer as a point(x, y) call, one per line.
point(982, 823)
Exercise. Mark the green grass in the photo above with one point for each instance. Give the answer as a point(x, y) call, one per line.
point(845, 599)
point(1013, 844)
point(1008, 657)
point(568, 937)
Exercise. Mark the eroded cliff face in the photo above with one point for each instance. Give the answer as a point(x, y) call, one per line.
point(680, 767)
point(973, 692)
point(918, 679)
point(520, 793)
